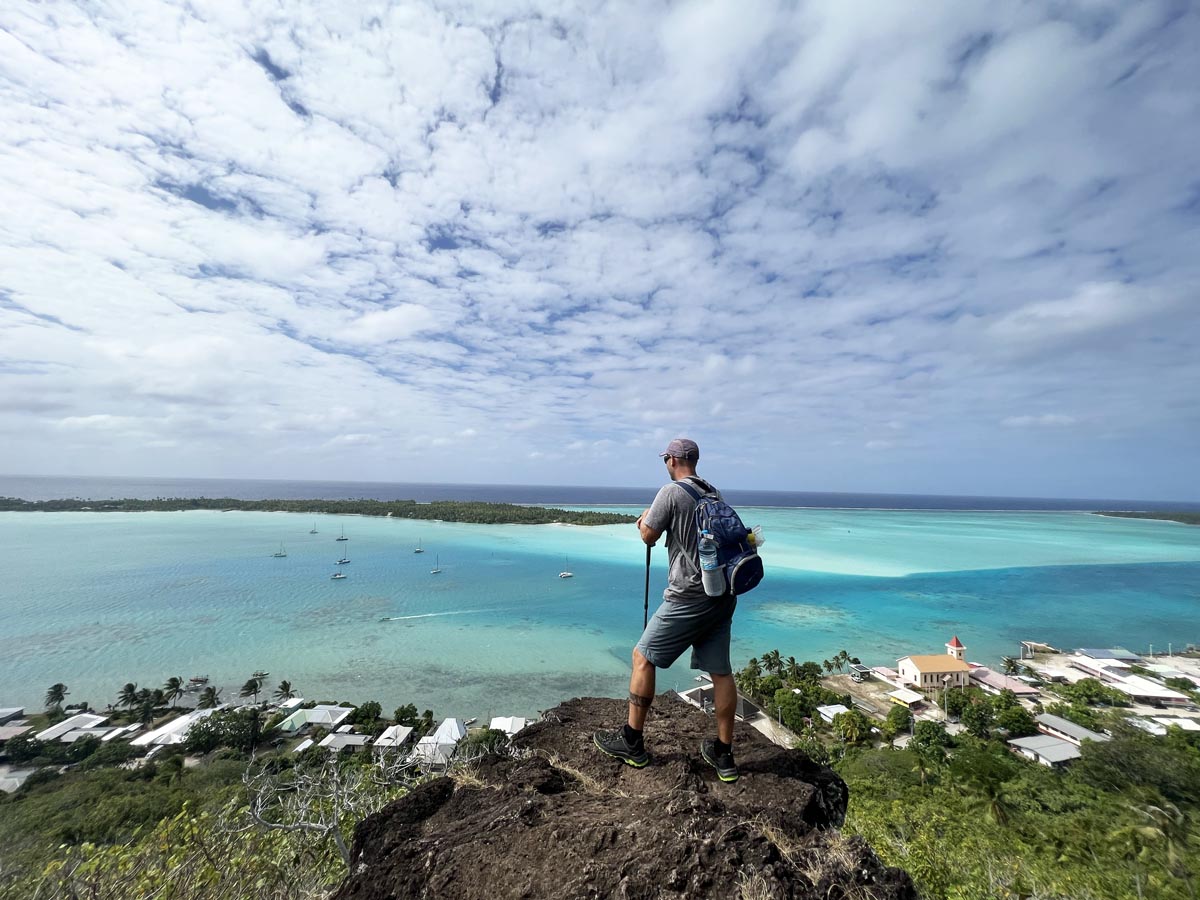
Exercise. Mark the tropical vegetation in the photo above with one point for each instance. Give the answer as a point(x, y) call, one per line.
point(441, 510)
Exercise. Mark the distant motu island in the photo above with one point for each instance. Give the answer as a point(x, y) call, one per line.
point(442, 510)
point(1182, 517)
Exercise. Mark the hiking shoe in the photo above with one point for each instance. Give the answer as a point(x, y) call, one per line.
point(614, 744)
point(727, 769)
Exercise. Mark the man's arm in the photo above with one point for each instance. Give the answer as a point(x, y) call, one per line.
point(649, 535)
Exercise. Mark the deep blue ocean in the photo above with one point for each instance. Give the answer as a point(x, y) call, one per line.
point(60, 488)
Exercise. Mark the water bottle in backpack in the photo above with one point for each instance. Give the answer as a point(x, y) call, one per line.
point(712, 573)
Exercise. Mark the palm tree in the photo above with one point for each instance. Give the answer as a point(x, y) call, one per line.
point(772, 662)
point(849, 727)
point(841, 659)
point(128, 695)
point(791, 669)
point(753, 668)
point(146, 711)
point(210, 697)
point(252, 687)
point(1010, 665)
point(56, 695)
point(173, 689)
point(827, 666)
point(284, 691)
point(1169, 821)
point(1132, 843)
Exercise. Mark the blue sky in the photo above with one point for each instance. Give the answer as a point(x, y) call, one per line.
point(946, 247)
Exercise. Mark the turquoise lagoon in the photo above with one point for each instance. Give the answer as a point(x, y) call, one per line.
point(98, 599)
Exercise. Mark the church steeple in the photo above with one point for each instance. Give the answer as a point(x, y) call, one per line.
point(955, 648)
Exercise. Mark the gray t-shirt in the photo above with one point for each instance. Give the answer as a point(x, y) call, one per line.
point(673, 512)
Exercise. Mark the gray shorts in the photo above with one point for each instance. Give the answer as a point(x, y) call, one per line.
point(703, 626)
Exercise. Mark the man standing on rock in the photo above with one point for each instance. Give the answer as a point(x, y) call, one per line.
point(687, 618)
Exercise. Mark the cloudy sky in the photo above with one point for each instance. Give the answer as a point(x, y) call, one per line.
point(909, 247)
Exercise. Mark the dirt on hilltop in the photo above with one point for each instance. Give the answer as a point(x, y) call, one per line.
point(558, 819)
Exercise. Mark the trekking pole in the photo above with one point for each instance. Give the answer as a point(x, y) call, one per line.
point(646, 608)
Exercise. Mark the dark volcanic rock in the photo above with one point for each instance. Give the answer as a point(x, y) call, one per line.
point(560, 820)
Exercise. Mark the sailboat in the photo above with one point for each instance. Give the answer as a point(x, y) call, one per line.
point(343, 537)
point(313, 530)
point(338, 574)
point(280, 552)
point(565, 573)
point(418, 548)
point(437, 569)
point(344, 560)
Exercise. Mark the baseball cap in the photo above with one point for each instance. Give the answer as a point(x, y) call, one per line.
point(682, 448)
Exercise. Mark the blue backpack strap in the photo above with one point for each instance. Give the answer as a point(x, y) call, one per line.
point(691, 488)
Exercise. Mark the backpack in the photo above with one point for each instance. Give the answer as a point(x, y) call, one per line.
point(739, 559)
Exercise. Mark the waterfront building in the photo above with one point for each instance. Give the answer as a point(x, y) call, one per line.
point(994, 682)
point(936, 670)
point(175, 731)
point(81, 722)
point(510, 725)
point(434, 751)
point(323, 714)
point(394, 737)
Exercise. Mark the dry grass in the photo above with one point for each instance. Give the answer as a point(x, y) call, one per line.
point(754, 886)
point(590, 785)
point(836, 856)
point(464, 774)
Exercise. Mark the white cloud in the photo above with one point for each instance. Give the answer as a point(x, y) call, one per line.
point(1052, 420)
point(244, 242)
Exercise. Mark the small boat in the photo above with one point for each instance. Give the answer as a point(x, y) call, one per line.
point(470, 721)
point(261, 674)
point(198, 679)
point(565, 573)
point(436, 570)
point(343, 535)
point(337, 576)
point(418, 548)
point(313, 530)
point(281, 552)
point(345, 559)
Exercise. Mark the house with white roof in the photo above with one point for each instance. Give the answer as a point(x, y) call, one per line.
point(344, 740)
point(80, 722)
point(324, 715)
point(828, 712)
point(393, 737)
point(510, 725)
point(1045, 749)
point(434, 751)
point(175, 731)
point(1066, 730)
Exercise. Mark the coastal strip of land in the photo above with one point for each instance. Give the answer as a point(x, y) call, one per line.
point(1185, 518)
point(472, 512)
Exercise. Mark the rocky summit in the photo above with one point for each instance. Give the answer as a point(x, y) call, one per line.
point(555, 818)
